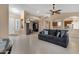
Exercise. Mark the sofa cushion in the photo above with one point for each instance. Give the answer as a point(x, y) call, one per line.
point(52, 32)
point(63, 33)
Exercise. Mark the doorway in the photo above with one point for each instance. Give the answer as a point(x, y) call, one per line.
point(35, 26)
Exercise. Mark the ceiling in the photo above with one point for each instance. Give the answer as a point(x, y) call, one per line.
point(43, 9)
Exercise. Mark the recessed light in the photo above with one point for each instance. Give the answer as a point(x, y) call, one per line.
point(37, 11)
point(15, 10)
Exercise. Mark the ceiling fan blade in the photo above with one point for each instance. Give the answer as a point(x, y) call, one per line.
point(58, 10)
point(51, 11)
point(54, 11)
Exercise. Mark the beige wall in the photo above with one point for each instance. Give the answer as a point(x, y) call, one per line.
point(4, 21)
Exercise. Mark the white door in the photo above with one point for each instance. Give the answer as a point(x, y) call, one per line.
point(14, 25)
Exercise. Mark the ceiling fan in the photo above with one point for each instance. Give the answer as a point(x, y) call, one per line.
point(54, 11)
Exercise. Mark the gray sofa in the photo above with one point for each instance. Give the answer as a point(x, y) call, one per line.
point(5, 46)
point(58, 37)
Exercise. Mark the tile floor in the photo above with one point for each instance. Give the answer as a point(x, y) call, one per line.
point(30, 44)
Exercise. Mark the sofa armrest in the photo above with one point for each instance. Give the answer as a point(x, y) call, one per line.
point(66, 39)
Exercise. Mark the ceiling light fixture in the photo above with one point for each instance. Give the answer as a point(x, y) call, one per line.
point(37, 11)
point(54, 11)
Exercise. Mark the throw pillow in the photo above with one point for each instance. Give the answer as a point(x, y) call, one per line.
point(62, 33)
point(58, 34)
point(46, 32)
